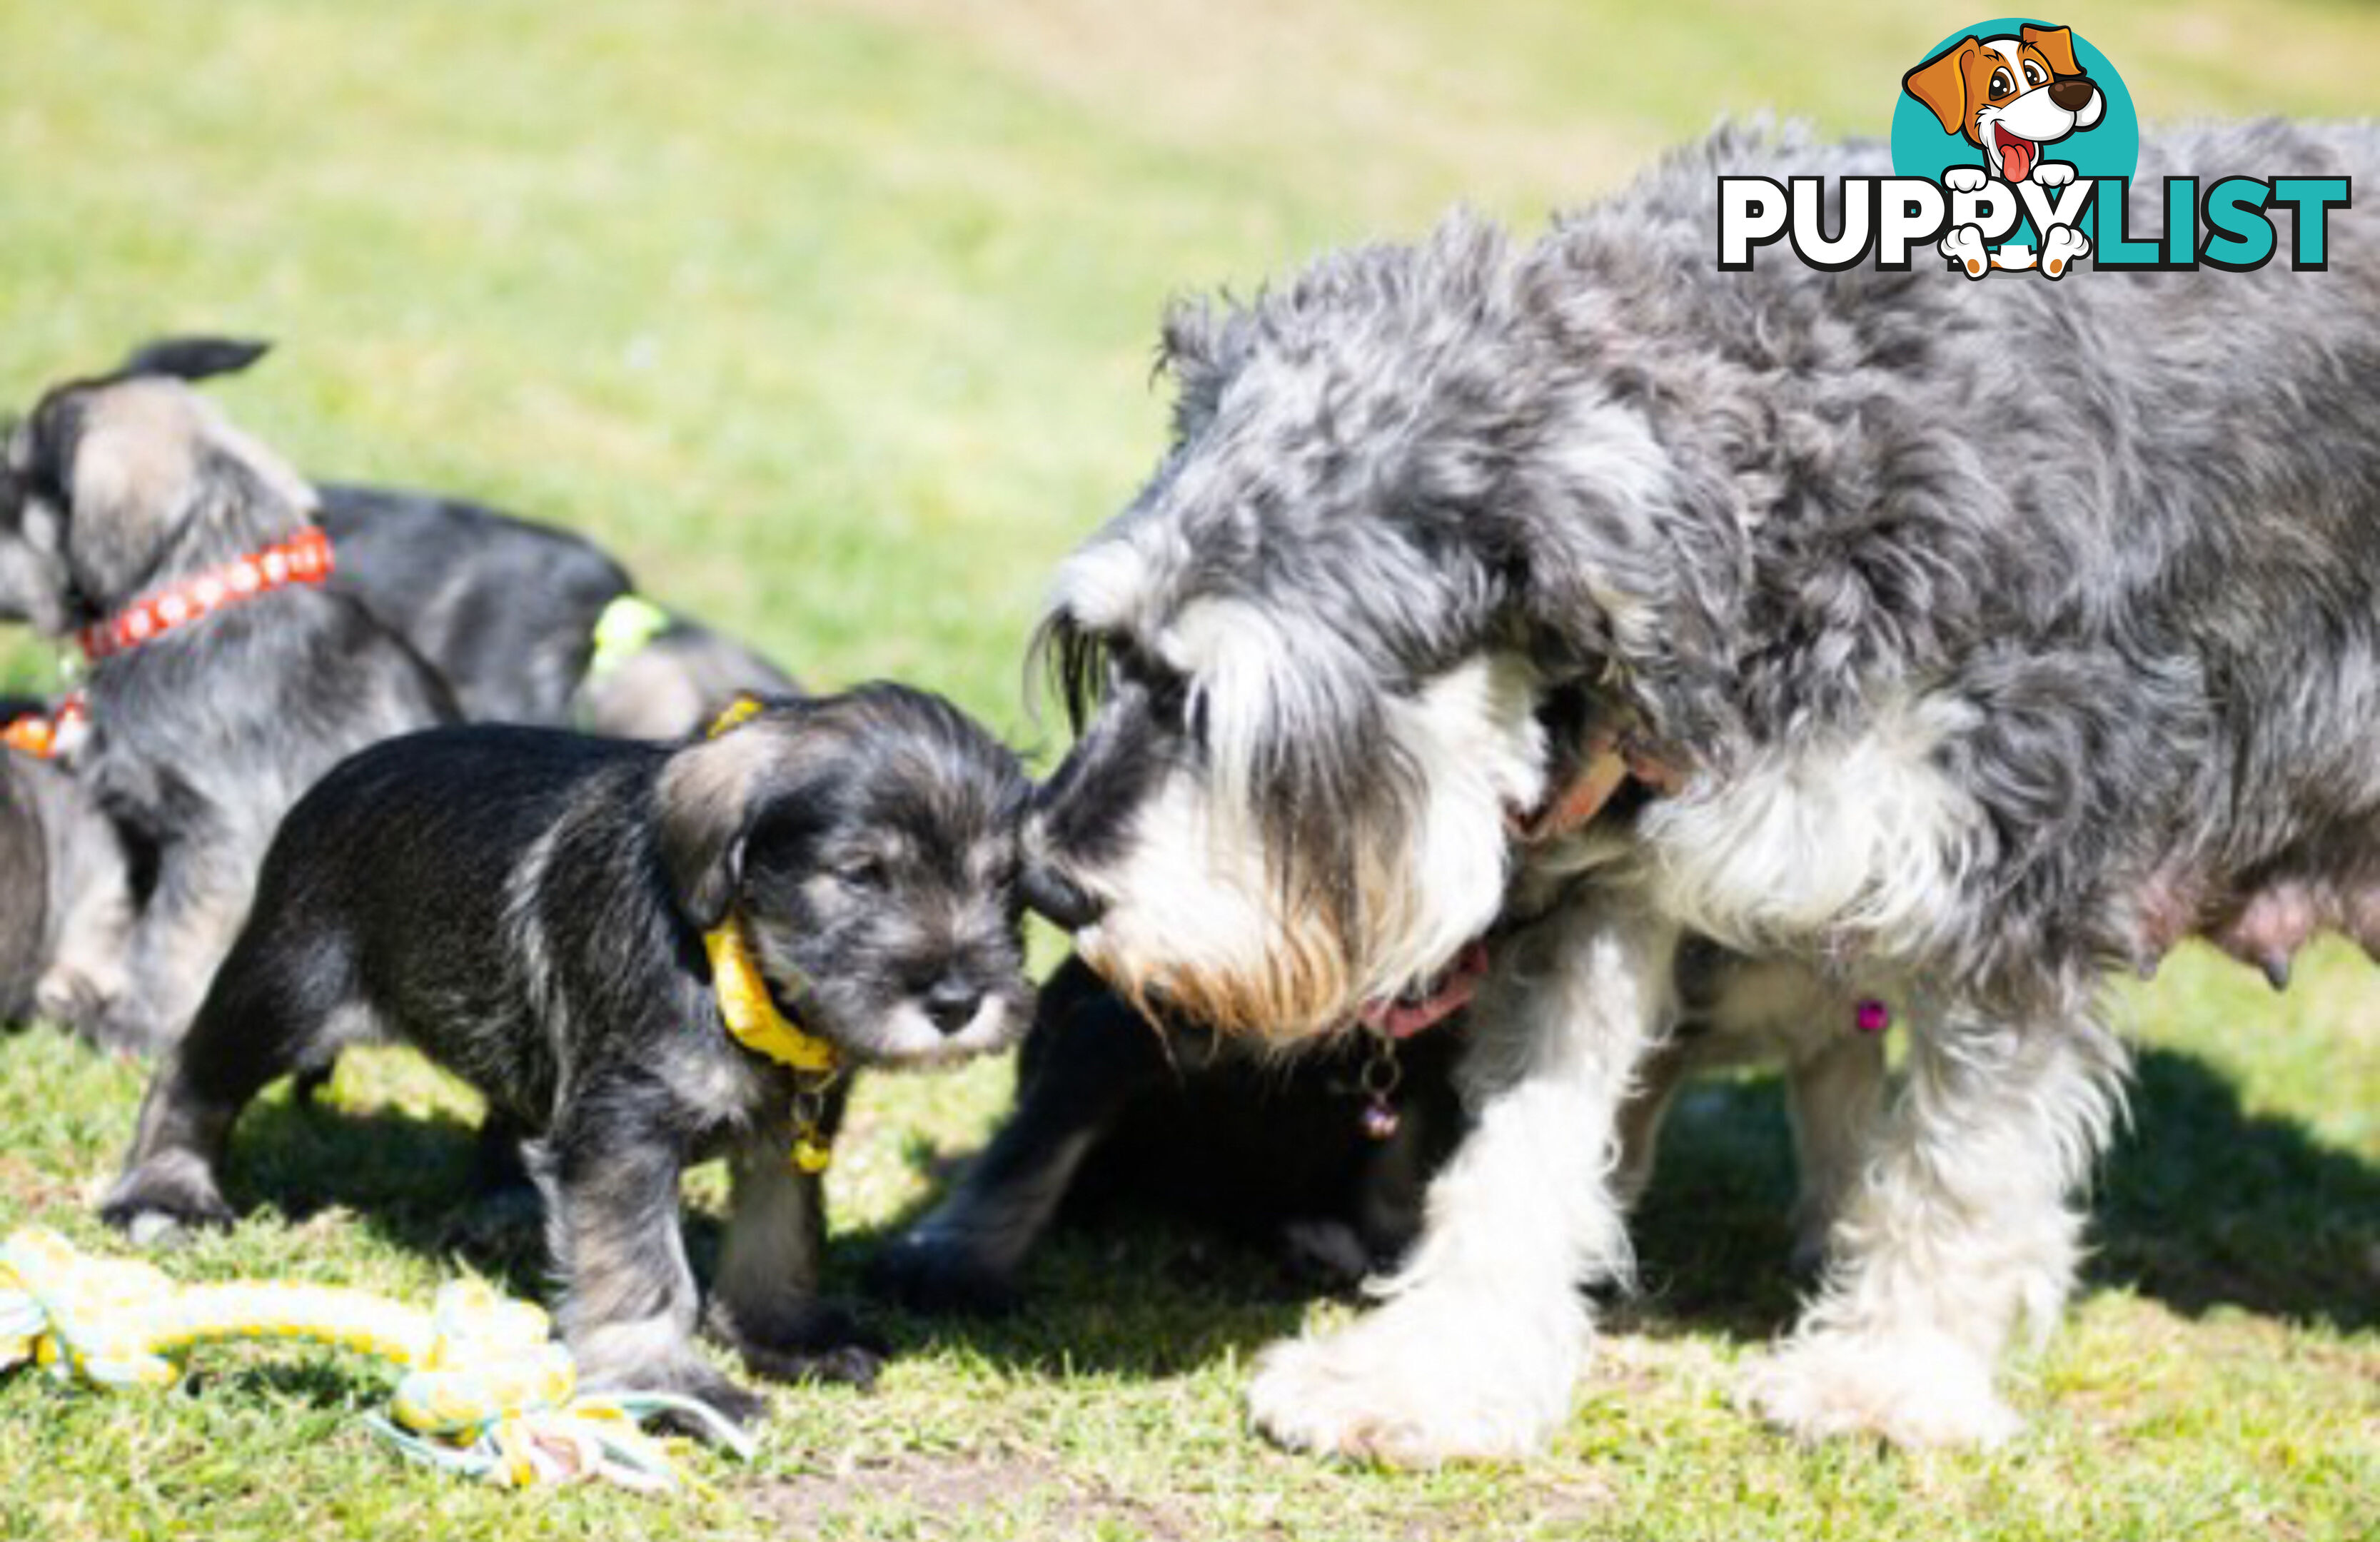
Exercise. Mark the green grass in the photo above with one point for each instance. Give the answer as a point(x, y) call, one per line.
point(835, 320)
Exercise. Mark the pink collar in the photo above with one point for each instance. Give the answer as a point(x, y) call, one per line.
point(304, 558)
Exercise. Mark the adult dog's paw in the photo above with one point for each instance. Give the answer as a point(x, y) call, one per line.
point(1912, 1389)
point(2061, 248)
point(1965, 179)
point(1415, 1387)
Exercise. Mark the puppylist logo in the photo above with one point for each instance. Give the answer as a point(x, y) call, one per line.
point(2014, 148)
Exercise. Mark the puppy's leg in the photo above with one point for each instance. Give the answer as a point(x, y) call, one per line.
point(1089, 1058)
point(1957, 1229)
point(86, 969)
point(629, 1305)
point(1835, 1095)
point(765, 1303)
point(205, 880)
point(1662, 1073)
point(1476, 1346)
point(256, 1024)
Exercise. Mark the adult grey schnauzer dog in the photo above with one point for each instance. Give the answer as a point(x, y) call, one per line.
point(125, 496)
point(1952, 641)
point(533, 910)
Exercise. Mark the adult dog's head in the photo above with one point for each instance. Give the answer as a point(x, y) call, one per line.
point(116, 484)
point(1364, 636)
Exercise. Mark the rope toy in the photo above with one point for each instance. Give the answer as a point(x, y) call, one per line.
point(485, 1391)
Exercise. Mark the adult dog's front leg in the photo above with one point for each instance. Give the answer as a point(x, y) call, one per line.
point(1959, 1227)
point(1476, 1348)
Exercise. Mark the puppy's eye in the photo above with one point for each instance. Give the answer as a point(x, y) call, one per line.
point(2002, 82)
point(864, 873)
point(2034, 74)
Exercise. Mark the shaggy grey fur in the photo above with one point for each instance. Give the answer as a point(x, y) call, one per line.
point(2091, 569)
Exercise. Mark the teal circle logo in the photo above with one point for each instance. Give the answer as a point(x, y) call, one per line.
point(1923, 146)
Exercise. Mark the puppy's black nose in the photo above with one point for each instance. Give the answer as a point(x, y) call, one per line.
point(951, 1004)
point(1058, 897)
point(2073, 93)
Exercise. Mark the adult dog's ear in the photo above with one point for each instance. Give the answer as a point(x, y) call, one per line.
point(1941, 83)
point(707, 800)
point(193, 357)
point(2056, 42)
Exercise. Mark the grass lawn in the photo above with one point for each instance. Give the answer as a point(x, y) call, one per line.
point(835, 319)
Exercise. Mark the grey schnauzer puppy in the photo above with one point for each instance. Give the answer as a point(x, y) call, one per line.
point(122, 489)
point(65, 908)
point(526, 622)
point(1955, 641)
point(1329, 1149)
point(530, 908)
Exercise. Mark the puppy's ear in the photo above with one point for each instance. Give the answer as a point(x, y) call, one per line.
point(193, 357)
point(2056, 42)
point(1941, 83)
point(708, 797)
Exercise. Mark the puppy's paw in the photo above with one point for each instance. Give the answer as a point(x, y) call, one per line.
point(1414, 1385)
point(939, 1274)
point(1965, 179)
point(1328, 1252)
point(810, 1344)
point(1912, 1389)
point(1965, 245)
point(123, 1026)
point(165, 1200)
point(739, 1406)
point(71, 999)
point(2061, 248)
point(2053, 174)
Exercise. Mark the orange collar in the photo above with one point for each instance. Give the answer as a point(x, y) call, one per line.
point(50, 735)
point(304, 558)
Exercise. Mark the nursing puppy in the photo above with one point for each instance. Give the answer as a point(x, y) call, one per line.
point(1115, 1107)
point(526, 622)
point(1328, 1150)
point(533, 910)
point(1948, 682)
point(223, 679)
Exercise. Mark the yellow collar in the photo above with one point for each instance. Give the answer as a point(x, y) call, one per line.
point(750, 1012)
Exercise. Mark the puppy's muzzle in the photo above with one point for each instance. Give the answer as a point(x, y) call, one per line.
point(2073, 93)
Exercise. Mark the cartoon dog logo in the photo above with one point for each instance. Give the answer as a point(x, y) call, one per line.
point(2009, 97)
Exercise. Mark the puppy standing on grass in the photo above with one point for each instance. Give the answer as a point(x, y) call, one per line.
point(591, 932)
point(225, 679)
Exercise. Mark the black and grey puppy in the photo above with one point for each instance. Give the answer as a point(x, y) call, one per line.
point(532, 623)
point(527, 623)
point(529, 908)
point(1113, 1106)
point(66, 902)
point(119, 488)
point(1282, 1148)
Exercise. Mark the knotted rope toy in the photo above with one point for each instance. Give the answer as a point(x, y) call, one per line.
point(485, 1391)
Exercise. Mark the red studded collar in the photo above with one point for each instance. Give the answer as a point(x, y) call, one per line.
point(304, 558)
